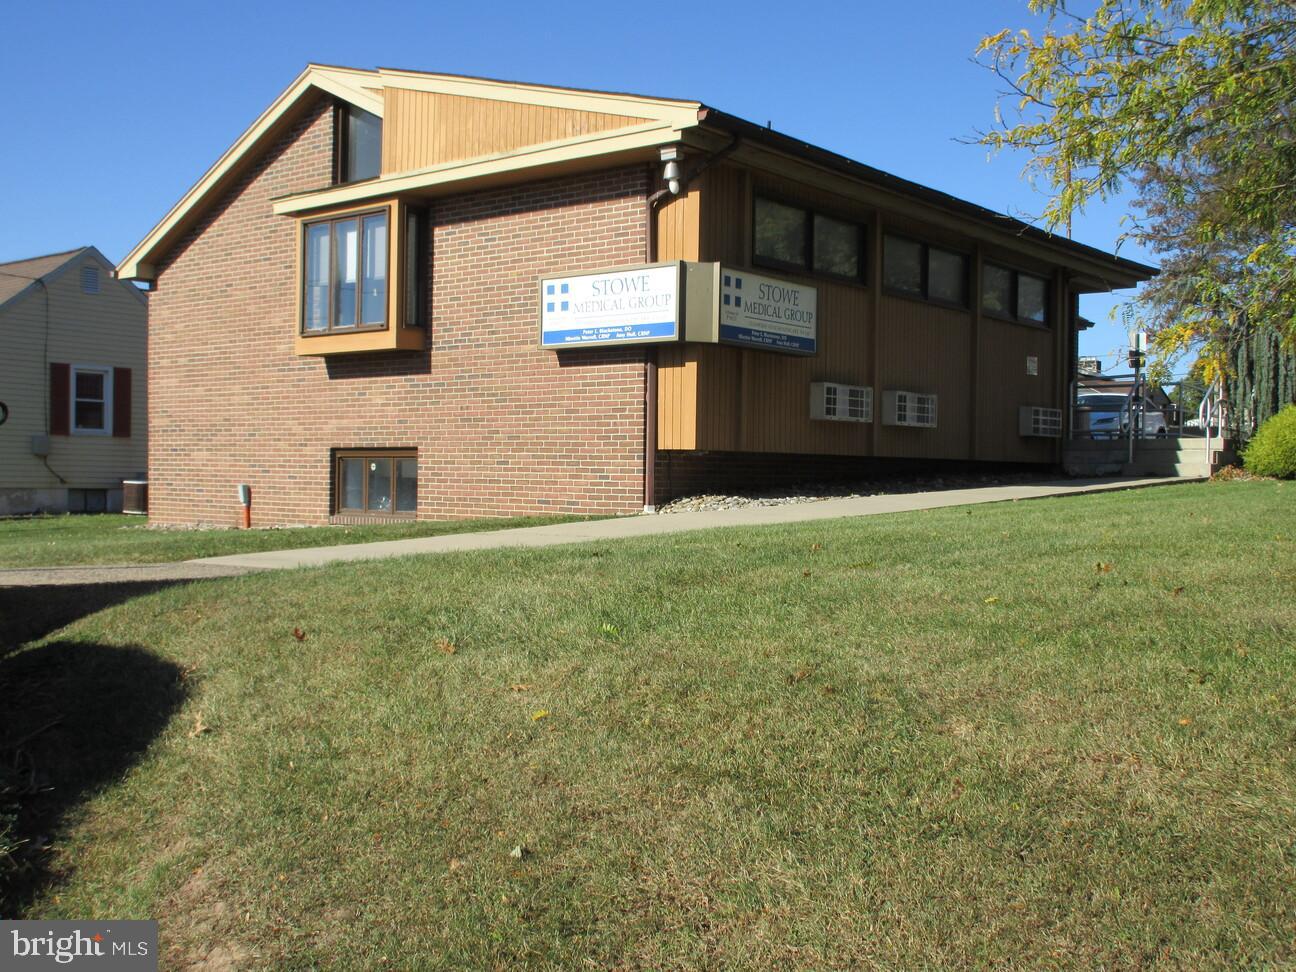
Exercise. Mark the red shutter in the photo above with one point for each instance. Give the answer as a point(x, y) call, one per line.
point(121, 403)
point(60, 405)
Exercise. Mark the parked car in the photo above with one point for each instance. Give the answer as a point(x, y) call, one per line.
point(1106, 416)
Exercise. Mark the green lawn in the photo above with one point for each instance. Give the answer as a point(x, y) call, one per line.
point(50, 541)
point(1047, 734)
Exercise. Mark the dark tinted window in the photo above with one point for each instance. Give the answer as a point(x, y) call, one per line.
point(781, 233)
point(836, 247)
point(946, 276)
point(1032, 298)
point(902, 265)
point(997, 290)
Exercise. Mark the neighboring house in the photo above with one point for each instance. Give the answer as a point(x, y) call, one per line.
point(389, 299)
point(72, 381)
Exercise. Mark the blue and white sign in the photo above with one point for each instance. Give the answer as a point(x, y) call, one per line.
point(761, 312)
point(640, 306)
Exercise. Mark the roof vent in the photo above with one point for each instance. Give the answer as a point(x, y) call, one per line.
point(89, 279)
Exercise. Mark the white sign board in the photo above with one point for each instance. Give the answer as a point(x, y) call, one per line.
point(761, 312)
point(640, 306)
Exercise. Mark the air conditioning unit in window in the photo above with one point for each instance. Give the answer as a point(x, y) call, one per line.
point(832, 402)
point(909, 408)
point(1034, 420)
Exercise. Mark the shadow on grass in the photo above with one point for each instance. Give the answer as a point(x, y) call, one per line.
point(74, 717)
point(31, 613)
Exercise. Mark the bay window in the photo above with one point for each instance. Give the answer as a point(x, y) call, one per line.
point(345, 273)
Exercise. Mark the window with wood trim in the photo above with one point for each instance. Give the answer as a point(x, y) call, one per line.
point(91, 400)
point(382, 482)
point(357, 145)
point(789, 237)
point(414, 254)
point(1014, 295)
point(345, 271)
point(917, 269)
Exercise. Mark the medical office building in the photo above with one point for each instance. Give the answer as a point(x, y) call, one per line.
point(403, 294)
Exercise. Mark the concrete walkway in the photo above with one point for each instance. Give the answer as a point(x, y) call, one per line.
point(620, 528)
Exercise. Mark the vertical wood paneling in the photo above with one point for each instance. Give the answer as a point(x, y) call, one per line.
point(423, 128)
point(677, 368)
point(1005, 386)
point(923, 347)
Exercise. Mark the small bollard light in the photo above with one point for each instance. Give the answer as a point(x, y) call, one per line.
point(245, 501)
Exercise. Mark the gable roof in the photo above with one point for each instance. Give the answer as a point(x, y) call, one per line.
point(365, 89)
point(18, 277)
point(642, 125)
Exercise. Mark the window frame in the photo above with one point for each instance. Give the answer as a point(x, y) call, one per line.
point(358, 217)
point(106, 372)
point(925, 268)
point(342, 143)
point(392, 456)
point(773, 263)
point(1015, 288)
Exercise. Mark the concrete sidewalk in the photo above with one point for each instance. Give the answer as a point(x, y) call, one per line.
point(622, 528)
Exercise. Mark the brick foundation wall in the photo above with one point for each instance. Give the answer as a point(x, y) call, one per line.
point(501, 427)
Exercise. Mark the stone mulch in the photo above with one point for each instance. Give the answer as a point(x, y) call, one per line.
point(815, 492)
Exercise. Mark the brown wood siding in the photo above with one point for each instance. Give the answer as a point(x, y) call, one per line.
point(923, 348)
point(717, 398)
point(423, 128)
point(677, 365)
point(725, 222)
point(1005, 386)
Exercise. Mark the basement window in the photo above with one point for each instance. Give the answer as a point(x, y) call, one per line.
point(376, 482)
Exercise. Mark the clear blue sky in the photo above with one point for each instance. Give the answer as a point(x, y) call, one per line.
point(124, 105)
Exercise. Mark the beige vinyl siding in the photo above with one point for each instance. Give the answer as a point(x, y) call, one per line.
point(108, 328)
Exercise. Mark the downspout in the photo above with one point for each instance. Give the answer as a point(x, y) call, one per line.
point(650, 364)
point(45, 378)
point(650, 353)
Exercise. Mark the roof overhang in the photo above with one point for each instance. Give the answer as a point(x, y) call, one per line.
point(1092, 270)
point(586, 153)
point(671, 121)
point(343, 83)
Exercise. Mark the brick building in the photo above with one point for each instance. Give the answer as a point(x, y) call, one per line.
point(347, 311)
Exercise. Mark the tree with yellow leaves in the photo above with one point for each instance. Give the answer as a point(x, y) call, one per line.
point(1192, 102)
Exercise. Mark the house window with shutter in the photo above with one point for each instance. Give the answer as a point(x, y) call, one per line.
point(87, 399)
point(91, 400)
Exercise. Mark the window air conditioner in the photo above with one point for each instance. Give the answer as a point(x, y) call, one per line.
point(909, 408)
point(832, 402)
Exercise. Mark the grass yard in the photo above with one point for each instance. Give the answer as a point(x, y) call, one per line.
point(53, 541)
point(1059, 733)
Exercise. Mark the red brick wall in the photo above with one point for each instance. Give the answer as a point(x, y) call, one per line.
point(501, 427)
